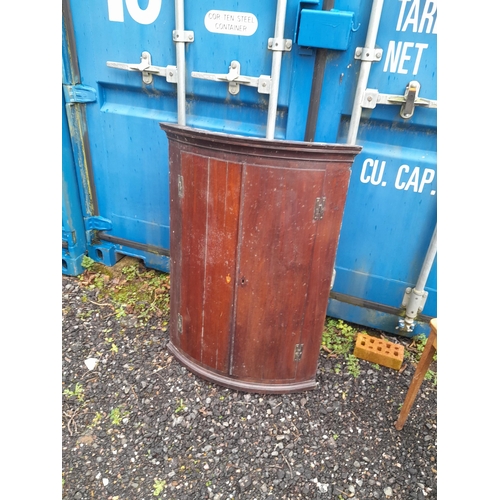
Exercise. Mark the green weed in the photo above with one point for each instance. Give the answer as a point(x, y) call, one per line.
point(338, 339)
point(180, 407)
point(353, 365)
point(77, 392)
point(419, 343)
point(158, 487)
point(87, 262)
point(120, 312)
point(134, 290)
point(114, 347)
point(131, 272)
point(117, 415)
point(84, 314)
point(432, 376)
point(96, 420)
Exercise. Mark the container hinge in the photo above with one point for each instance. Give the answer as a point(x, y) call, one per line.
point(408, 101)
point(69, 237)
point(234, 79)
point(298, 351)
point(281, 44)
point(319, 208)
point(79, 93)
point(370, 55)
point(183, 36)
point(98, 223)
point(179, 323)
point(180, 186)
point(147, 69)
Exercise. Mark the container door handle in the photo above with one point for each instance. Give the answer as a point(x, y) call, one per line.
point(234, 79)
point(147, 69)
point(408, 102)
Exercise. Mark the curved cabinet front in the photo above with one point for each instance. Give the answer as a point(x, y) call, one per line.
point(254, 232)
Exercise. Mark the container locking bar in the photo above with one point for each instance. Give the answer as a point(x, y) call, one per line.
point(408, 101)
point(234, 79)
point(414, 298)
point(147, 69)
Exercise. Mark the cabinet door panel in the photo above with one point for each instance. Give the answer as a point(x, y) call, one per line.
point(210, 211)
point(276, 246)
point(224, 184)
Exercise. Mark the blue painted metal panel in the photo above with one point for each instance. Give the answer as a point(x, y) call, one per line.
point(391, 205)
point(73, 229)
point(325, 29)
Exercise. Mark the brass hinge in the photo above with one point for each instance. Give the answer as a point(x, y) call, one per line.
point(298, 351)
point(180, 185)
point(319, 208)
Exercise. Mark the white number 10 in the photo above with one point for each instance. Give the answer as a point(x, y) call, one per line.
point(146, 16)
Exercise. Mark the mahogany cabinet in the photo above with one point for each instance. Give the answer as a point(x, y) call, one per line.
point(254, 231)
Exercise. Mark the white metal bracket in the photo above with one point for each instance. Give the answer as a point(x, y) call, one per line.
point(235, 79)
point(183, 36)
point(408, 101)
point(281, 44)
point(147, 69)
point(370, 55)
point(414, 300)
point(171, 74)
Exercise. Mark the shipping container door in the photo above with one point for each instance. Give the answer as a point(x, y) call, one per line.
point(126, 167)
point(229, 51)
point(390, 214)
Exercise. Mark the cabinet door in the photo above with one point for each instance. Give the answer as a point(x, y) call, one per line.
point(275, 263)
point(206, 197)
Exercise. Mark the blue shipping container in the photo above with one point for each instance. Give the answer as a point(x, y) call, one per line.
point(358, 73)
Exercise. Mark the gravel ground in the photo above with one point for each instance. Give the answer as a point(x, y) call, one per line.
point(138, 425)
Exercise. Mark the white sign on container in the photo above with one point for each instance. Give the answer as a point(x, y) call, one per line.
point(231, 23)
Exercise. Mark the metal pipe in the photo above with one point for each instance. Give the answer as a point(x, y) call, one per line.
point(414, 299)
point(428, 261)
point(317, 85)
point(279, 29)
point(364, 71)
point(181, 64)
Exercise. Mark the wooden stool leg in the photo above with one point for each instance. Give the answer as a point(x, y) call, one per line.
point(418, 377)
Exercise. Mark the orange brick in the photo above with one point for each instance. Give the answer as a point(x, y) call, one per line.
point(379, 351)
